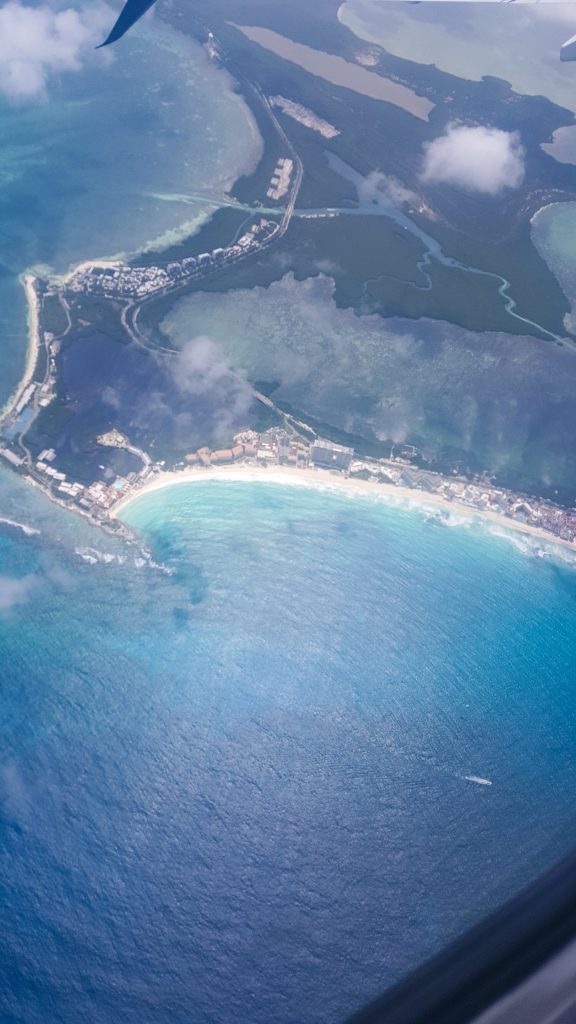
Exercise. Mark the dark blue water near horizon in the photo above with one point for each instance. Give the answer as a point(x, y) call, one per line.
point(239, 793)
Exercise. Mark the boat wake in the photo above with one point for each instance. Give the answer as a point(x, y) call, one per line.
point(477, 779)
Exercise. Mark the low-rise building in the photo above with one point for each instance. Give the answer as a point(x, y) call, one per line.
point(11, 457)
point(224, 455)
point(266, 454)
point(328, 455)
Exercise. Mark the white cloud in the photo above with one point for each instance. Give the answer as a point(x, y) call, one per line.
point(476, 159)
point(201, 366)
point(15, 591)
point(382, 190)
point(549, 10)
point(201, 369)
point(36, 42)
point(111, 397)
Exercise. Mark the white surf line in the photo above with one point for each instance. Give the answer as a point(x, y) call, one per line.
point(30, 531)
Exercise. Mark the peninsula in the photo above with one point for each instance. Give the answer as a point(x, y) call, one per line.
point(100, 414)
point(290, 451)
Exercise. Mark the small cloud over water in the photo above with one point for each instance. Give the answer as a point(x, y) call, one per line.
point(14, 591)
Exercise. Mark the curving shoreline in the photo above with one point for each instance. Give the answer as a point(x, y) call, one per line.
point(326, 481)
point(28, 282)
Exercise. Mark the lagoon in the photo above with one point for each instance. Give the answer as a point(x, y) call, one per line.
point(340, 72)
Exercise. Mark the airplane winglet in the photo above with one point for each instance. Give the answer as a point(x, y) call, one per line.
point(129, 15)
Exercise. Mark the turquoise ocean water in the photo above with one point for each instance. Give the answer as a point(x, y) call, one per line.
point(553, 236)
point(239, 791)
point(81, 173)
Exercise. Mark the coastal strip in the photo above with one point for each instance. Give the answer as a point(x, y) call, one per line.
point(86, 266)
point(333, 481)
point(28, 282)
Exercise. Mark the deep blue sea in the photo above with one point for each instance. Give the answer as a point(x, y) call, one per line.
point(238, 792)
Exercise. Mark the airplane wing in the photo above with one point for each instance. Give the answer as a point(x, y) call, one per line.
point(129, 15)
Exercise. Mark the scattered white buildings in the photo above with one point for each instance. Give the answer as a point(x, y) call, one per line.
point(122, 281)
point(24, 398)
point(136, 282)
point(11, 457)
point(280, 180)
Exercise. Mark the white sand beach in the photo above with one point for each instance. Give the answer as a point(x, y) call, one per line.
point(28, 283)
point(329, 481)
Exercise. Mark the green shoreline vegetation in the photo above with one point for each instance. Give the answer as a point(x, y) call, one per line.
point(375, 265)
point(492, 236)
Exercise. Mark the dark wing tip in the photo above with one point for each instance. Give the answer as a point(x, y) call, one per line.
point(129, 15)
